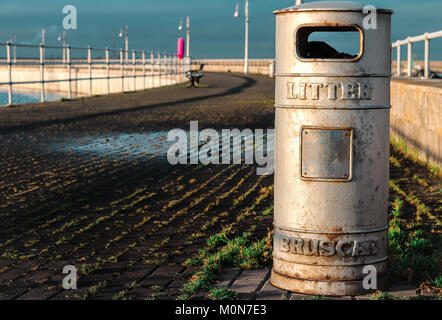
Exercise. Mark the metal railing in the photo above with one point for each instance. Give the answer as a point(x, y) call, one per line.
point(409, 42)
point(161, 68)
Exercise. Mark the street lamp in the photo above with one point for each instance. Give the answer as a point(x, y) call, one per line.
point(43, 33)
point(180, 27)
point(125, 33)
point(246, 46)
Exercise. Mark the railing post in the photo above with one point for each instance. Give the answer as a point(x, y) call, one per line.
point(167, 57)
point(68, 56)
point(89, 61)
point(107, 70)
point(8, 57)
point(176, 69)
point(144, 69)
point(42, 70)
point(409, 51)
point(171, 68)
point(166, 71)
point(159, 69)
point(427, 57)
point(122, 69)
point(152, 68)
point(134, 71)
point(398, 54)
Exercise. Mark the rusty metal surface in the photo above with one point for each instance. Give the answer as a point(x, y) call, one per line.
point(326, 154)
point(331, 155)
point(327, 6)
point(375, 61)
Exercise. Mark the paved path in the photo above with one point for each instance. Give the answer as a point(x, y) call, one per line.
point(255, 284)
point(86, 183)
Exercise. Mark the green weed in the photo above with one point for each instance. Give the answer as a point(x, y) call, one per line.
point(223, 293)
point(379, 295)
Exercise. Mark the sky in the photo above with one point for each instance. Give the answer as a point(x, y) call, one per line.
point(153, 24)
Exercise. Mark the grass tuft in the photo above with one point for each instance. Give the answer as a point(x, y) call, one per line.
point(223, 293)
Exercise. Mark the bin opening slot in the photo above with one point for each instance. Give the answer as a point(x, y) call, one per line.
point(325, 42)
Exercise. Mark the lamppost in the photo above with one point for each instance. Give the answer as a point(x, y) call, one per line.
point(246, 46)
point(125, 33)
point(187, 34)
point(43, 33)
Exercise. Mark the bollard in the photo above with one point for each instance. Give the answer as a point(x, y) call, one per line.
point(331, 150)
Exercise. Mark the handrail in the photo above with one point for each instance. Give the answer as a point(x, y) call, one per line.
point(409, 41)
point(165, 66)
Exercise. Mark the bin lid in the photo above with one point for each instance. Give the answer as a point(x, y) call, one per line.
point(328, 6)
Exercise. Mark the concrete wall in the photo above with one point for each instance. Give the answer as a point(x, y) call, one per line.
point(416, 117)
point(81, 87)
point(256, 66)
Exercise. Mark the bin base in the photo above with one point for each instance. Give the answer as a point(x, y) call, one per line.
point(326, 288)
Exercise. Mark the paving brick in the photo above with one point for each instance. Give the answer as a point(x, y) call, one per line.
point(15, 289)
point(140, 294)
point(187, 273)
point(364, 297)
point(247, 284)
point(402, 290)
point(161, 277)
point(29, 264)
point(4, 296)
point(37, 275)
point(70, 294)
point(229, 274)
point(56, 265)
point(10, 274)
point(93, 279)
point(300, 296)
point(227, 277)
point(132, 275)
point(270, 292)
point(339, 298)
point(5, 262)
point(119, 266)
point(39, 293)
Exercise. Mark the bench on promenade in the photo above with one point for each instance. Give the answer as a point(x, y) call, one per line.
point(195, 75)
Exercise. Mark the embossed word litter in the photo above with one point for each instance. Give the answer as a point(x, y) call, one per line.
point(331, 91)
point(327, 248)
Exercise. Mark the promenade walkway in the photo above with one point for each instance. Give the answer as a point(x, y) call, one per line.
point(86, 183)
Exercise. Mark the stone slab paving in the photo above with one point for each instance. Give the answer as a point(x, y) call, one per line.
point(250, 282)
point(270, 292)
point(255, 284)
point(227, 277)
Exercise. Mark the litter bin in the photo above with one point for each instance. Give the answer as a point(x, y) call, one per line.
point(331, 148)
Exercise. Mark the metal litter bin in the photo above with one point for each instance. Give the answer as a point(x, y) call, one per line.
point(331, 150)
